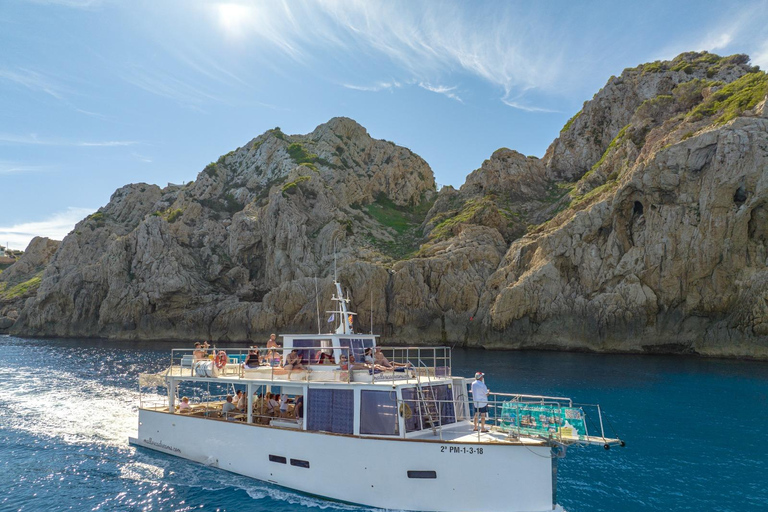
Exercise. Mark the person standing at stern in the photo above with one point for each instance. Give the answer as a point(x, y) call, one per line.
point(480, 398)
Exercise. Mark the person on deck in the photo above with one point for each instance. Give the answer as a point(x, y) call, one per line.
point(228, 409)
point(480, 399)
point(324, 357)
point(184, 407)
point(273, 354)
point(252, 359)
point(199, 353)
point(283, 405)
point(242, 402)
point(381, 360)
point(298, 408)
point(293, 361)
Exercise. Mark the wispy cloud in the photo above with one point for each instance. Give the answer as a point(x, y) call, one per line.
point(427, 42)
point(33, 139)
point(108, 143)
point(441, 89)
point(168, 86)
point(141, 158)
point(760, 57)
point(378, 86)
point(56, 227)
point(527, 108)
point(31, 80)
point(38, 82)
point(75, 4)
point(19, 168)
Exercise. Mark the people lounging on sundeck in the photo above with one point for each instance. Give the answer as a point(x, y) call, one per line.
point(324, 357)
point(199, 353)
point(252, 359)
point(383, 361)
point(293, 361)
point(184, 407)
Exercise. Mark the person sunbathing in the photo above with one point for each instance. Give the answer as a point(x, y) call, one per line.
point(381, 360)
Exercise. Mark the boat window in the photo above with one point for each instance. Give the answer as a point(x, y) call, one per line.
point(422, 474)
point(330, 410)
point(378, 413)
point(277, 458)
point(357, 346)
point(300, 463)
point(444, 396)
point(433, 408)
point(307, 349)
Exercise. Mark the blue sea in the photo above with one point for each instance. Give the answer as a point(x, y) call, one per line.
point(696, 432)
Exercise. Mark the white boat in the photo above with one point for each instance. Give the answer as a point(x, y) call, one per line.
point(398, 437)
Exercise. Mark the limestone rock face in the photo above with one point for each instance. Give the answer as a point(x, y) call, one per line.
point(21, 280)
point(235, 252)
point(585, 138)
point(643, 229)
point(672, 259)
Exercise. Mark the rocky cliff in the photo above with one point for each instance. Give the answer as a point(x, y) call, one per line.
point(642, 229)
point(21, 280)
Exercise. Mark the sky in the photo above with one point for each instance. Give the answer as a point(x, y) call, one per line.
point(96, 94)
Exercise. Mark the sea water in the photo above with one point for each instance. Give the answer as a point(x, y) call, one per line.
point(695, 431)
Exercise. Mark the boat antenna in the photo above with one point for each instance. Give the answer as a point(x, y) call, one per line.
point(335, 277)
point(317, 303)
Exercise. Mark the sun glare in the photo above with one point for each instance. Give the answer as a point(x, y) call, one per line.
point(233, 18)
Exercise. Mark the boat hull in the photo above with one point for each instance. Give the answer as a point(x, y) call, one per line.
point(393, 474)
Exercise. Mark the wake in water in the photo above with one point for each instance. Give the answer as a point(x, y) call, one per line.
point(64, 433)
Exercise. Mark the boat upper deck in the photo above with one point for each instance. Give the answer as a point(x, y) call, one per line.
point(315, 358)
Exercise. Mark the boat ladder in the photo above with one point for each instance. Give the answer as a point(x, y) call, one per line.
point(427, 402)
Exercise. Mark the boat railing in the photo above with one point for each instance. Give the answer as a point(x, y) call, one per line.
point(550, 417)
point(346, 364)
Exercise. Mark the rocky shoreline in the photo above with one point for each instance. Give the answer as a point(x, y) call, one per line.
point(644, 229)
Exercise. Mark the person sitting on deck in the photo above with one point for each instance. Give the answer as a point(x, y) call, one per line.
point(293, 361)
point(252, 359)
point(381, 359)
point(199, 353)
point(298, 408)
point(273, 405)
point(242, 402)
point(283, 405)
point(273, 354)
point(353, 365)
point(228, 410)
point(370, 364)
point(184, 407)
point(343, 364)
point(258, 407)
point(324, 357)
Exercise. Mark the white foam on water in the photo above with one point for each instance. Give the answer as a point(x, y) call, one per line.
point(142, 472)
point(56, 404)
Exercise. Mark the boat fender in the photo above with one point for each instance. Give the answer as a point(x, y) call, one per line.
point(405, 411)
point(221, 359)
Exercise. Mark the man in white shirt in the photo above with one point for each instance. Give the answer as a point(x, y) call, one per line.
point(480, 398)
point(228, 409)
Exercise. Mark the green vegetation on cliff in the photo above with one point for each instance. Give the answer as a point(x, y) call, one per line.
point(291, 188)
point(733, 99)
point(21, 289)
point(405, 221)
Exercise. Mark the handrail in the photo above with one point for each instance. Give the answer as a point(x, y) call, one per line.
point(433, 361)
